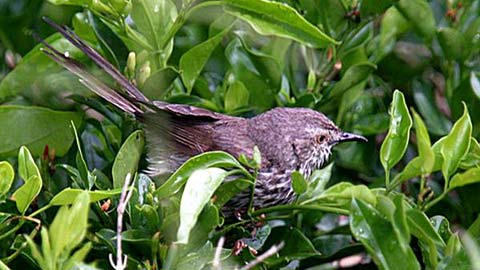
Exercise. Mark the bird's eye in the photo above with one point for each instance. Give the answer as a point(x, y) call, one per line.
point(320, 139)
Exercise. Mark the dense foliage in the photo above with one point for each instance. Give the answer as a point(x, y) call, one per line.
point(407, 199)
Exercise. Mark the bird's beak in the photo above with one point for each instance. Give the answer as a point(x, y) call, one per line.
point(347, 137)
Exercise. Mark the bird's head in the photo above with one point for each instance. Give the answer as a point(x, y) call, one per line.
point(315, 137)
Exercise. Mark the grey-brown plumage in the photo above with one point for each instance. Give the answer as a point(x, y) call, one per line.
point(288, 138)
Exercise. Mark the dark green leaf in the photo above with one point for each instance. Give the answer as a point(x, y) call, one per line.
point(35, 127)
point(393, 24)
point(193, 61)
point(379, 238)
point(420, 15)
point(355, 75)
point(297, 245)
point(421, 227)
point(452, 42)
point(37, 71)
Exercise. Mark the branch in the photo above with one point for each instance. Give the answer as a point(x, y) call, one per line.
point(121, 263)
point(270, 252)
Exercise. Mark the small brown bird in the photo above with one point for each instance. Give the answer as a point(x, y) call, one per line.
point(289, 139)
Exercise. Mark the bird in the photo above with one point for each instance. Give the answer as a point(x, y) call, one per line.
point(289, 139)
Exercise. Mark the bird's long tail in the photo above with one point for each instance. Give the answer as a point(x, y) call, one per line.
point(90, 81)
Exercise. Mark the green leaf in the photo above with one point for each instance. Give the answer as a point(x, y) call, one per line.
point(197, 193)
point(28, 171)
point(297, 245)
point(452, 42)
point(468, 177)
point(229, 189)
point(393, 24)
point(154, 18)
point(341, 195)
point(156, 86)
point(81, 173)
point(25, 194)
point(422, 228)
point(202, 161)
point(420, 15)
point(299, 184)
point(69, 228)
point(127, 158)
point(38, 71)
point(273, 18)
point(424, 163)
point(35, 127)
point(236, 97)
point(475, 84)
point(193, 61)
point(396, 141)
point(354, 76)
point(68, 195)
point(379, 238)
point(456, 145)
point(26, 164)
point(357, 38)
point(6, 177)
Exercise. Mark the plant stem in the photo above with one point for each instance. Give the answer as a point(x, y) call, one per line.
point(300, 207)
point(435, 201)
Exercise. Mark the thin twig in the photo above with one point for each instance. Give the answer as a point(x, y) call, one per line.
point(218, 251)
point(122, 204)
point(270, 252)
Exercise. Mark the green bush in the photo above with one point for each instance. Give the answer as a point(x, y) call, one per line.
point(407, 199)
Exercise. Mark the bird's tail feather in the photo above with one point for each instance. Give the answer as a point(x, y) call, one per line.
point(88, 79)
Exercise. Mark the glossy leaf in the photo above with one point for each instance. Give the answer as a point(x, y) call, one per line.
point(197, 193)
point(456, 144)
point(28, 171)
point(468, 177)
point(379, 238)
point(35, 127)
point(202, 161)
point(297, 245)
point(193, 61)
point(341, 195)
point(153, 18)
point(25, 194)
point(6, 177)
point(419, 13)
point(236, 97)
point(68, 195)
point(273, 18)
point(127, 158)
point(396, 141)
point(421, 227)
point(424, 163)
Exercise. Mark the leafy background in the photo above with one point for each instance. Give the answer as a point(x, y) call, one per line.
point(406, 198)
